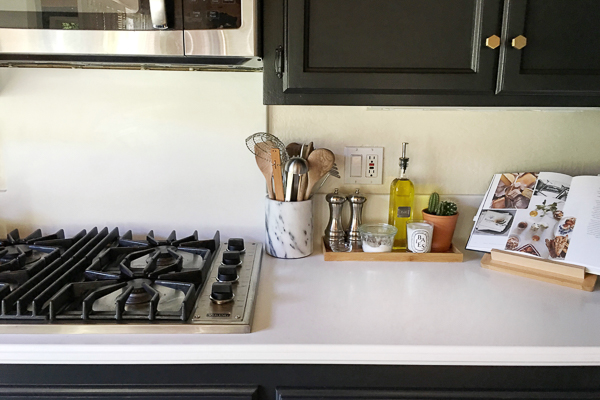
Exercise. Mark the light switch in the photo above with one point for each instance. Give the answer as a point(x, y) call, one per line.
point(356, 165)
point(363, 165)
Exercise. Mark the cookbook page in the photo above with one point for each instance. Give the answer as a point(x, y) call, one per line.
point(579, 229)
point(493, 184)
point(508, 194)
point(534, 230)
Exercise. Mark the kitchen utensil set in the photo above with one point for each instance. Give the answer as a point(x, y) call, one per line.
point(291, 172)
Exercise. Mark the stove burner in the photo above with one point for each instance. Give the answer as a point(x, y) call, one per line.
point(24, 252)
point(164, 256)
point(17, 250)
point(139, 294)
point(131, 279)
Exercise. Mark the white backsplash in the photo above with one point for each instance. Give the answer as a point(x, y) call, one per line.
point(138, 150)
point(163, 150)
point(450, 151)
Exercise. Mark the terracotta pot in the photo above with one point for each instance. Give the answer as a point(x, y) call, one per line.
point(443, 230)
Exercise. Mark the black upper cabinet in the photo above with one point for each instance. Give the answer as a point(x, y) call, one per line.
point(394, 47)
point(432, 52)
point(562, 47)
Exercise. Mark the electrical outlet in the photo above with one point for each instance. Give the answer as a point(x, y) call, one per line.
point(363, 165)
point(372, 170)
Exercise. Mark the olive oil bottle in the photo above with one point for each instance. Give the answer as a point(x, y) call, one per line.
point(402, 195)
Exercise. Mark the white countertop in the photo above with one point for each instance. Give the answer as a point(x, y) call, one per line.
point(311, 311)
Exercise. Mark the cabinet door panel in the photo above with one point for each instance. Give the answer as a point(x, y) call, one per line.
point(561, 54)
point(378, 394)
point(132, 392)
point(390, 47)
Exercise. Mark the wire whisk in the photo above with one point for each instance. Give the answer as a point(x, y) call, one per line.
point(261, 143)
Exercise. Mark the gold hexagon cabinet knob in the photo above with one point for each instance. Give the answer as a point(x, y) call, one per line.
point(519, 42)
point(492, 42)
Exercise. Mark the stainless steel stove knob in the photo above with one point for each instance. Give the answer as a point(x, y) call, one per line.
point(236, 244)
point(227, 273)
point(232, 258)
point(221, 292)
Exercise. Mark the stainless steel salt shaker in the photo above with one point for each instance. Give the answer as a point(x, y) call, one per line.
point(335, 231)
point(356, 201)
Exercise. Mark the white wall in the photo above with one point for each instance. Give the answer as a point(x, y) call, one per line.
point(451, 151)
point(454, 152)
point(135, 149)
point(165, 150)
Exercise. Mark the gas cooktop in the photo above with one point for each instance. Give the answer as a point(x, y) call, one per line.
point(104, 282)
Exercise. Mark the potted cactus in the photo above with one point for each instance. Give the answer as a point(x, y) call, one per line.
point(443, 215)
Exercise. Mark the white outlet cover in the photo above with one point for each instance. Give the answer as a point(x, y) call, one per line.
point(363, 151)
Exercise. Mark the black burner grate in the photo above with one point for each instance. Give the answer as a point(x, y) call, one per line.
point(20, 259)
point(138, 280)
point(21, 287)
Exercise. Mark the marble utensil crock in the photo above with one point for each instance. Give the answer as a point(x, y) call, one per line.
point(289, 228)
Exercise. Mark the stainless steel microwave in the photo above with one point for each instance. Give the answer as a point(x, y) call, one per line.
point(148, 28)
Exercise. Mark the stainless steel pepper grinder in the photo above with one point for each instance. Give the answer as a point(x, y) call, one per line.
point(356, 201)
point(335, 231)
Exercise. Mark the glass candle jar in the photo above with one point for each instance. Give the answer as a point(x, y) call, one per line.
point(418, 235)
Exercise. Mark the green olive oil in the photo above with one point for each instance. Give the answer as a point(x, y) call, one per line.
point(402, 195)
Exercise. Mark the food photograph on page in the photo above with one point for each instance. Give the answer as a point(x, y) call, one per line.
point(542, 234)
point(514, 190)
point(542, 229)
point(493, 222)
point(553, 189)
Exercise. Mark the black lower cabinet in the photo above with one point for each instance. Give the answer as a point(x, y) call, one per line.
point(296, 382)
point(366, 394)
point(133, 392)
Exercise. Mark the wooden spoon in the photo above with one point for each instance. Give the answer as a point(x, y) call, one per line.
point(320, 162)
point(302, 194)
point(266, 167)
point(293, 149)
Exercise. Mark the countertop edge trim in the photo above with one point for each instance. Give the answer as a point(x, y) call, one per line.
point(299, 354)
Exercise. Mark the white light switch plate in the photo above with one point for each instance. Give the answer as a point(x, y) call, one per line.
point(368, 176)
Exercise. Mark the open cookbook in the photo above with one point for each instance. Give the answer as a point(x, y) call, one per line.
point(542, 214)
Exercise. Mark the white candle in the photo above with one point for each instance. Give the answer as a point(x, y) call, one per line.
point(418, 236)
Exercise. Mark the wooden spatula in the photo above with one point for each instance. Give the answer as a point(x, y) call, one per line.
point(319, 162)
point(277, 174)
point(266, 167)
point(307, 150)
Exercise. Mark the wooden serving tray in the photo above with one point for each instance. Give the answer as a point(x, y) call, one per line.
point(454, 255)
